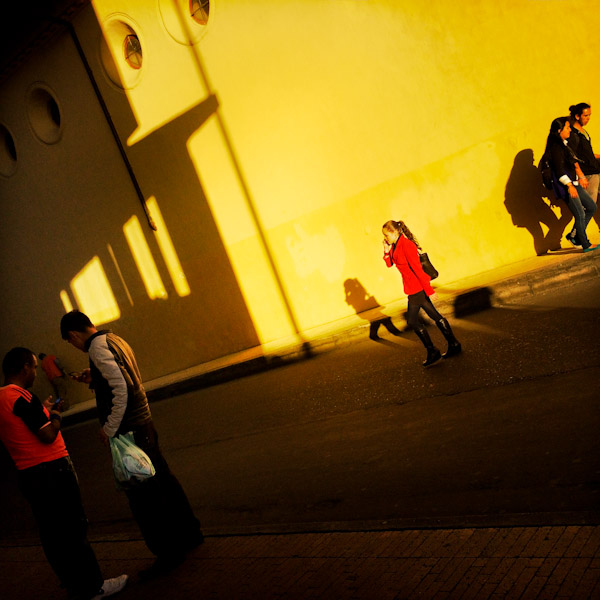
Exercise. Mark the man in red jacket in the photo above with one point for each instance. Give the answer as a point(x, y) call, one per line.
point(30, 430)
point(56, 376)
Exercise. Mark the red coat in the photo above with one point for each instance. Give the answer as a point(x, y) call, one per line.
point(405, 256)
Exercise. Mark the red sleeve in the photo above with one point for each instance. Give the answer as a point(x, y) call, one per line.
point(388, 259)
point(412, 256)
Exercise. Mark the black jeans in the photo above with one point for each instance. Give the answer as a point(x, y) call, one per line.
point(159, 504)
point(53, 491)
point(419, 301)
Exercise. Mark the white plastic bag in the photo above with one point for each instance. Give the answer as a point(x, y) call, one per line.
point(131, 465)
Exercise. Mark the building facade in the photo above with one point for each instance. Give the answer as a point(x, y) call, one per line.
point(206, 177)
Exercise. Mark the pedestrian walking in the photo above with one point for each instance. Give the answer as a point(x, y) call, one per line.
point(159, 504)
point(580, 142)
point(566, 176)
point(56, 376)
point(402, 249)
point(30, 430)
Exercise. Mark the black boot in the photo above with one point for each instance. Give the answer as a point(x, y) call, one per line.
point(433, 354)
point(454, 346)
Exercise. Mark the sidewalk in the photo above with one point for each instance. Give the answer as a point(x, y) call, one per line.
point(542, 562)
point(521, 562)
point(528, 277)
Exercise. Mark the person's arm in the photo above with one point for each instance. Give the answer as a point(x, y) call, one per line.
point(581, 176)
point(33, 415)
point(558, 164)
point(105, 361)
point(412, 256)
point(59, 366)
point(387, 253)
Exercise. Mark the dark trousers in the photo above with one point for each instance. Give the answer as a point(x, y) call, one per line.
point(419, 301)
point(160, 506)
point(53, 491)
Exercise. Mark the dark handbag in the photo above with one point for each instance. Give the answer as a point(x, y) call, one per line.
point(427, 266)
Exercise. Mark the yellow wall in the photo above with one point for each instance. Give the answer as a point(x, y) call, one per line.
point(333, 116)
point(345, 113)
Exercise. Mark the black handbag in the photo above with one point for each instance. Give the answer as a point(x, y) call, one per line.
point(427, 266)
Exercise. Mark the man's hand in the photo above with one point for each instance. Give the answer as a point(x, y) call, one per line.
point(102, 435)
point(84, 377)
point(51, 406)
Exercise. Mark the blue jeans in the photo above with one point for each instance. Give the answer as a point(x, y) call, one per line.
point(583, 209)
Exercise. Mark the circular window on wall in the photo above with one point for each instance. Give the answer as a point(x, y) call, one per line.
point(185, 20)
point(8, 152)
point(199, 11)
point(133, 51)
point(121, 52)
point(44, 114)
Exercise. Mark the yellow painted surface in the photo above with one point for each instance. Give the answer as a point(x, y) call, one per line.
point(143, 259)
point(94, 294)
point(169, 254)
point(342, 114)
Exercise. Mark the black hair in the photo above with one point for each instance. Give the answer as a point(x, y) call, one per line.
point(555, 128)
point(74, 321)
point(558, 125)
point(15, 360)
point(577, 109)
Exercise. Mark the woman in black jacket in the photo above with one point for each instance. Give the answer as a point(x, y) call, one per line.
point(565, 181)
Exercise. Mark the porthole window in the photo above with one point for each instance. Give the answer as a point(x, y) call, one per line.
point(44, 114)
point(197, 14)
point(133, 51)
point(8, 152)
point(199, 11)
point(122, 51)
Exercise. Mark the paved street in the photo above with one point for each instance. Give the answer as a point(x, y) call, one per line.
point(505, 433)
point(363, 438)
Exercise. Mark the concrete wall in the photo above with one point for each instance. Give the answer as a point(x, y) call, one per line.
point(275, 145)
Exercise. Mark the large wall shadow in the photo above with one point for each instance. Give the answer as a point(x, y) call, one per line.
point(525, 201)
point(168, 334)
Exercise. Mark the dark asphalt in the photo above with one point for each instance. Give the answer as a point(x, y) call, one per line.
point(364, 437)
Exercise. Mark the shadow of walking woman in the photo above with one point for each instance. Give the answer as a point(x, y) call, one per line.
point(529, 204)
point(361, 301)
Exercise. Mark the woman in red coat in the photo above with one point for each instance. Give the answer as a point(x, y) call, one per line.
point(402, 249)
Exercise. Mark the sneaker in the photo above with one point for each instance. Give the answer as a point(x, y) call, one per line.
point(572, 242)
point(110, 587)
point(594, 247)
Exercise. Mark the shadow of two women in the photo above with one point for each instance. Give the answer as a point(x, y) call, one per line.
point(530, 204)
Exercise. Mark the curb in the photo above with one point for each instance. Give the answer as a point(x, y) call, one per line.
point(461, 302)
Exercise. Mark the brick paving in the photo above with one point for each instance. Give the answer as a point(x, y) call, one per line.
point(521, 562)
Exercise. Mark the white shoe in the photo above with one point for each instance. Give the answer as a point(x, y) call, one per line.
point(113, 586)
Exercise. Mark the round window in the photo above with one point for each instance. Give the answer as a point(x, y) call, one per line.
point(195, 13)
point(8, 152)
point(121, 52)
point(133, 51)
point(44, 114)
point(199, 11)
